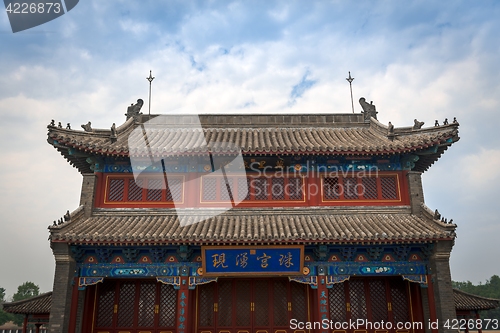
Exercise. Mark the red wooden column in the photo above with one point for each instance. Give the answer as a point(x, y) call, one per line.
point(432, 303)
point(182, 323)
point(25, 323)
point(312, 187)
point(323, 315)
point(416, 305)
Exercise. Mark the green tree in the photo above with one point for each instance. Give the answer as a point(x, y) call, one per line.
point(26, 290)
point(490, 289)
point(4, 316)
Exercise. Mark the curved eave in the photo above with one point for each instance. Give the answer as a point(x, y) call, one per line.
point(256, 243)
point(243, 226)
point(469, 302)
point(40, 304)
point(347, 139)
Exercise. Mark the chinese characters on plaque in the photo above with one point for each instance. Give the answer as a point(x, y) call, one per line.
point(219, 260)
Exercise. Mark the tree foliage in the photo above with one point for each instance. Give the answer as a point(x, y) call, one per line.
point(4, 316)
point(490, 289)
point(26, 290)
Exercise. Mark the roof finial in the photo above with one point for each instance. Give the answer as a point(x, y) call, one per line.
point(150, 79)
point(350, 79)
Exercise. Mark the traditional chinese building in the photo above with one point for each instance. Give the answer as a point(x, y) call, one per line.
point(36, 311)
point(251, 223)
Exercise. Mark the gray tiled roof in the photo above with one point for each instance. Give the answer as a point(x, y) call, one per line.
point(327, 225)
point(465, 301)
point(38, 304)
point(258, 134)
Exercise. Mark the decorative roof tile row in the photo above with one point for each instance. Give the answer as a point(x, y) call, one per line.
point(34, 305)
point(315, 140)
point(243, 226)
point(469, 302)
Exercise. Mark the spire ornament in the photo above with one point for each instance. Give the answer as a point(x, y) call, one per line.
point(350, 79)
point(150, 79)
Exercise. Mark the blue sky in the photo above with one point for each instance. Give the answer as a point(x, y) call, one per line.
point(415, 59)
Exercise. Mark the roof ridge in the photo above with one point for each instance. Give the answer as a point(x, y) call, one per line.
point(22, 301)
point(474, 295)
point(320, 210)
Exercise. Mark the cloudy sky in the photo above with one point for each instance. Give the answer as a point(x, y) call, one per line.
point(423, 59)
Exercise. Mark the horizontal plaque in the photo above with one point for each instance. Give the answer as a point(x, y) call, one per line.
point(253, 260)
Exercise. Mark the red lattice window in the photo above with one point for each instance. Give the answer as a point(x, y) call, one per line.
point(369, 188)
point(299, 301)
point(336, 298)
point(116, 187)
point(225, 306)
point(331, 188)
point(155, 189)
point(261, 302)
point(126, 189)
point(280, 303)
point(389, 187)
point(399, 300)
point(222, 189)
point(209, 189)
point(135, 190)
point(168, 305)
point(278, 189)
point(226, 187)
point(106, 304)
point(135, 304)
point(243, 188)
point(126, 304)
point(174, 190)
point(259, 186)
point(216, 189)
point(275, 189)
point(242, 301)
point(206, 301)
point(351, 188)
point(360, 188)
point(372, 299)
point(358, 300)
point(295, 188)
point(146, 305)
point(378, 300)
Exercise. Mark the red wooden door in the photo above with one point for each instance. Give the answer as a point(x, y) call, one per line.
point(381, 303)
point(250, 305)
point(134, 306)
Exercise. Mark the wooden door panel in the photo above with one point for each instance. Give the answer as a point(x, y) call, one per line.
point(134, 306)
point(251, 306)
point(243, 305)
point(371, 299)
point(260, 307)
